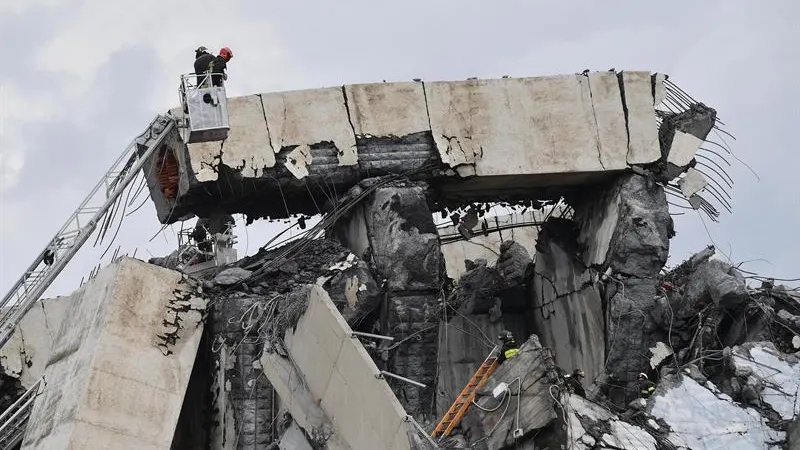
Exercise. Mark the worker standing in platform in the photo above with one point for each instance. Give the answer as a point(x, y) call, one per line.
point(646, 387)
point(508, 347)
point(202, 63)
point(218, 66)
point(207, 228)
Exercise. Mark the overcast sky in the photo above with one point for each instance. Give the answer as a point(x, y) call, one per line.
point(83, 77)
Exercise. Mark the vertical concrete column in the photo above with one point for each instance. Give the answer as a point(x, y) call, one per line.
point(566, 309)
point(393, 230)
point(244, 401)
point(626, 228)
point(121, 362)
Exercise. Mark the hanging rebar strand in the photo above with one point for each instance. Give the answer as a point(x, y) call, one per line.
point(678, 206)
point(712, 181)
point(676, 102)
point(670, 104)
point(679, 196)
point(717, 154)
point(673, 86)
point(104, 223)
point(671, 91)
point(721, 172)
point(712, 212)
point(704, 205)
point(713, 191)
point(725, 132)
point(124, 205)
point(678, 108)
point(724, 147)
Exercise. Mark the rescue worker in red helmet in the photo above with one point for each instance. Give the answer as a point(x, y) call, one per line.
point(219, 64)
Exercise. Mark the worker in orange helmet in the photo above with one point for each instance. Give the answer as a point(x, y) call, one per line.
point(219, 64)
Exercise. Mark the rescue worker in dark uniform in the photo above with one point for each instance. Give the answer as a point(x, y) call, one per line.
point(205, 229)
point(646, 387)
point(574, 382)
point(202, 61)
point(508, 346)
point(218, 66)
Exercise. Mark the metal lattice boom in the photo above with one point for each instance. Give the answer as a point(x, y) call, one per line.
point(80, 226)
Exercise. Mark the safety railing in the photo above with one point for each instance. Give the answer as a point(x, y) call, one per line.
point(14, 420)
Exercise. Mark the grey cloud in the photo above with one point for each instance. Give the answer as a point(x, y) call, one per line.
point(736, 56)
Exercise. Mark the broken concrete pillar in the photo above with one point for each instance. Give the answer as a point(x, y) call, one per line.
point(393, 230)
point(27, 352)
point(626, 227)
point(244, 403)
point(117, 374)
point(566, 307)
point(328, 382)
point(682, 134)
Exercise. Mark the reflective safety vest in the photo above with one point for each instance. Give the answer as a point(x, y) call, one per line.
point(646, 388)
point(510, 353)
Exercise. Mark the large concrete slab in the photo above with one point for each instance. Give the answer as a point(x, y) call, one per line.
point(524, 126)
point(339, 378)
point(473, 138)
point(387, 109)
point(304, 118)
point(567, 306)
point(117, 374)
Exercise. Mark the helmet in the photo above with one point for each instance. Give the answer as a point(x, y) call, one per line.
point(579, 373)
point(642, 376)
point(505, 336)
point(201, 49)
point(226, 53)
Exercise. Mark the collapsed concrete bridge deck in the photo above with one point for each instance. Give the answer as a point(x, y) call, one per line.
point(473, 140)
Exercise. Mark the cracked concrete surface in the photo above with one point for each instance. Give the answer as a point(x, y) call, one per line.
point(26, 354)
point(641, 120)
point(546, 132)
point(116, 388)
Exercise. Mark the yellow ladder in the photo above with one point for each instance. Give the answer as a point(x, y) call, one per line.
point(465, 398)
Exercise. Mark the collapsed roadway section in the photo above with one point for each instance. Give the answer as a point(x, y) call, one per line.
point(508, 139)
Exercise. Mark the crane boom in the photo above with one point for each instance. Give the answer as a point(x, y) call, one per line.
point(80, 226)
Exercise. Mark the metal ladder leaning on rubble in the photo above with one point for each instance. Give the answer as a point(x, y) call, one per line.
point(205, 119)
point(462, 403)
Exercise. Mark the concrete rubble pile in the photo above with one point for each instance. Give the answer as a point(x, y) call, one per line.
point(363, 336)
